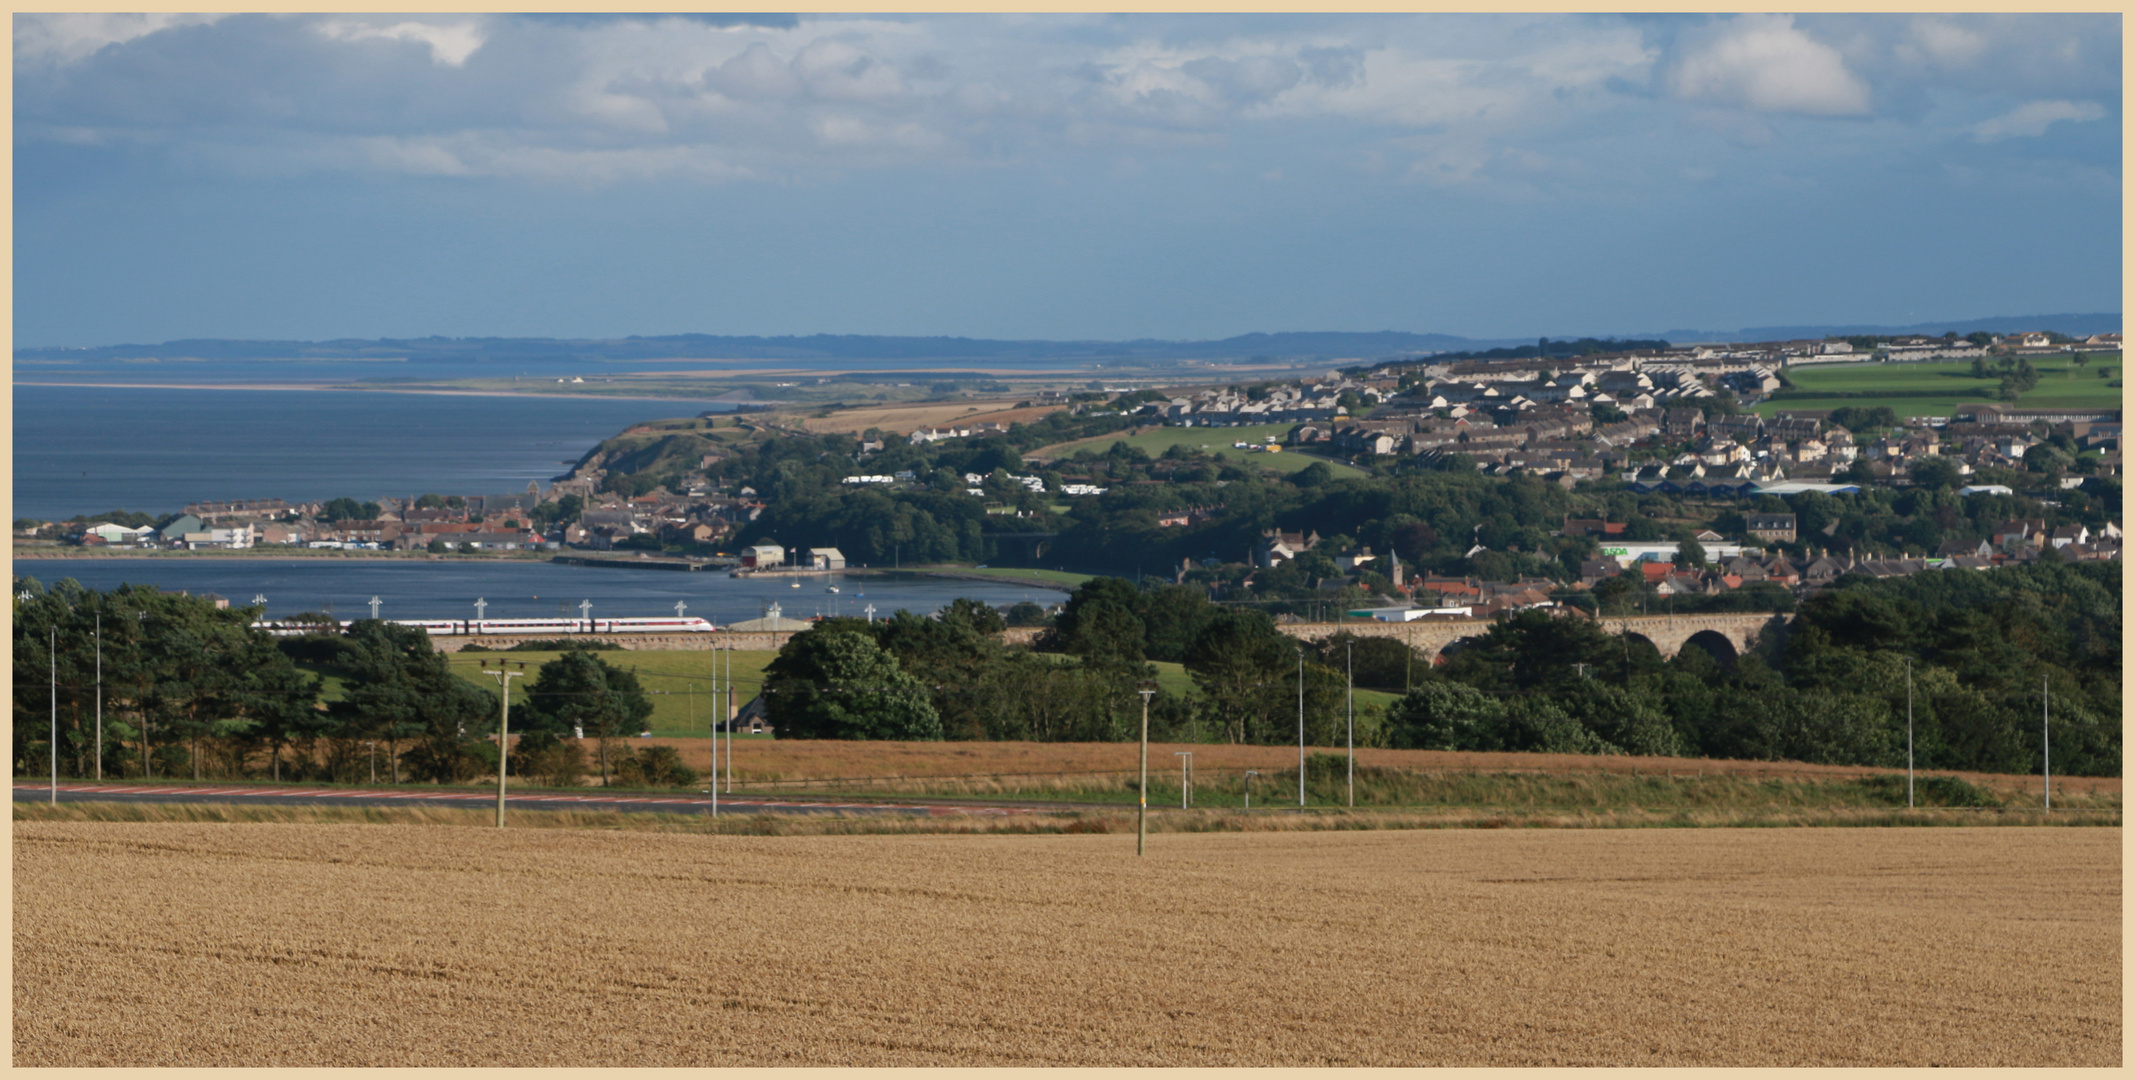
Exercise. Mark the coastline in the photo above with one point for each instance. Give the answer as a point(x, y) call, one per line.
point(268, 387)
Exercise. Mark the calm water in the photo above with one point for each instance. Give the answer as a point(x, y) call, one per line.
point(85, 450)
point(516, 590)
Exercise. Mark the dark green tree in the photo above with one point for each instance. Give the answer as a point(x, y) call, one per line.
point(837, 683)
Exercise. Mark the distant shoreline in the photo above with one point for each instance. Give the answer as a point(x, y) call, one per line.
point(390, 390)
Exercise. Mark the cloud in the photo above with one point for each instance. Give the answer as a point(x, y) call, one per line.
point(2033, 118)
point(1941, 42)
point(1453, 100)
point(1762, 62)
point(65, 39)
point(450, 44)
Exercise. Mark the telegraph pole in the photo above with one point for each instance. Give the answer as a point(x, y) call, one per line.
point(1351, 648)
point(1908, 732)
point(52, 654)
point(1300, 727)
point(1141, 813)
point(1186, 779)
point(727, 716)
point(504, 712)
point(2045, 744)
point(99, 696)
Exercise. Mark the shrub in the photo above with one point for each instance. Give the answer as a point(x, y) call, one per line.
point(655, 766)
point(549, 761)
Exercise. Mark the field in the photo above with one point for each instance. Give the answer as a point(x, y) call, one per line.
point(904, 419)
point(1942, 387)
point(679, 680)
point(1216, 441)
point(1060, 578)
point(311, 945)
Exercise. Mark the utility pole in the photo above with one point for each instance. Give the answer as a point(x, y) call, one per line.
point(374, 607)
point(1186, 779)
point(1351, 648)
point(1908, 732)
point(100, 696)
point(1141, 813)
point(1249, 775)
point(2045, 744)
point(1300, 727)
point(585, 612)
point(504, 712)
point(52, 748)
point(727, 717)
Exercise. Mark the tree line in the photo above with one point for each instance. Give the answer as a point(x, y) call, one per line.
point(1831, 688)
point(178, 688)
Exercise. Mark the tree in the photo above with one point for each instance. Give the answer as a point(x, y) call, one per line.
point(1099, 623)
point(432, 501)
point(1936, 473)
point(839, 684)
point(1244, 666)
point(1689, 552)
point(579, 691)
point(401, 689)
point(1446, 716)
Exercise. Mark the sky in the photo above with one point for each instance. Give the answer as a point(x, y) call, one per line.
point(1063, 177)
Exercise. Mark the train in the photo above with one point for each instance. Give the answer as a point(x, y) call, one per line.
point(470, 627)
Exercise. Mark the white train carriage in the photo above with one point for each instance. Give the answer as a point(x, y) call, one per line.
point(472, 627)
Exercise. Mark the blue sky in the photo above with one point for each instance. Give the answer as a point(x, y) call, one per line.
point(1056, 176)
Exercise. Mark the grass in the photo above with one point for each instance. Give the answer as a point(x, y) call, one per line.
point(1062, 578)
point(1943, 387)
point(666, 674)
point(279, 945)
point(1216, 441)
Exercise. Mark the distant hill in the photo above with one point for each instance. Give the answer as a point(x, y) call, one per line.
point(2074, 325)
point(819, 347)
point(834, 348)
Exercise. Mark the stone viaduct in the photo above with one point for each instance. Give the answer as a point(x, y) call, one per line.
point(1726, 636)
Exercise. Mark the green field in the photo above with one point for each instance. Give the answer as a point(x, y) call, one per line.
point(679, 681)
point(1938, 389)
point(1216, 441)
point(1062, 578)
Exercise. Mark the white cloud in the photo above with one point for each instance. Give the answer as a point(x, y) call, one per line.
point(450, 44)
point(2033, 118)
point(65, 39)
point(1763, 62)
point(1941, 42)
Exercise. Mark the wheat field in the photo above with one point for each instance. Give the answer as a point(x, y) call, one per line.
point(289, 945)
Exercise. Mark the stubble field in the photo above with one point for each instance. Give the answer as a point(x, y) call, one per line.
point(216, 945)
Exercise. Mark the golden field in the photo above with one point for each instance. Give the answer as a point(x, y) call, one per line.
point(907, 418)
point(284, 945)
point(790, 761)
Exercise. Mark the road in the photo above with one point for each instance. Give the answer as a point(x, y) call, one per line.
point(692, 803)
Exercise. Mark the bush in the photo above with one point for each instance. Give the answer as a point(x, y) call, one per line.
point(549, 761)
point(1929, 791)
point(655, 766)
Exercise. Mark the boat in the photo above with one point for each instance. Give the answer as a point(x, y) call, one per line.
point(796, 584)
point(833, 588)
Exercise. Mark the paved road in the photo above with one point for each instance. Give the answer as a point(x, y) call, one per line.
point(693, 803)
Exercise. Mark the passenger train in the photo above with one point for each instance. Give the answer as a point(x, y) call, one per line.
point(470, 627)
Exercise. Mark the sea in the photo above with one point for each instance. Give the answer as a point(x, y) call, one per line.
point(92, 449)
point(448, 589)
point(86, 450)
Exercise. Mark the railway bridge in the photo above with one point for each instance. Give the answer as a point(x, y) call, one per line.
point(1726, 636)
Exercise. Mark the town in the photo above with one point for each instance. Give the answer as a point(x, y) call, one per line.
point(1673, 487)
